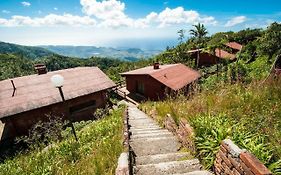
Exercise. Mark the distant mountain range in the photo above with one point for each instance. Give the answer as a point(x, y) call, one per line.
point(131, 54)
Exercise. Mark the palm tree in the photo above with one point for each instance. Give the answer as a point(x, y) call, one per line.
point(199, 33)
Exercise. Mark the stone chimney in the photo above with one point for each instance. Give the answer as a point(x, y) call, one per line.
point(40, 68)
point(156, 65)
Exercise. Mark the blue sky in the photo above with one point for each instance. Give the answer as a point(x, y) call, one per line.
point(126, 23)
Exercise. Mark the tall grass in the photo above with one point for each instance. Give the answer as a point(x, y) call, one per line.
point(100, 144)
point(248, 114)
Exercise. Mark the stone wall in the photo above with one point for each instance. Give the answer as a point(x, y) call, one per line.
point(183, 131)
point(230, 159)
point(124, 160)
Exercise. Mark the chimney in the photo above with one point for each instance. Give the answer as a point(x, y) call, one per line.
point(156, 65)
point(40, 68)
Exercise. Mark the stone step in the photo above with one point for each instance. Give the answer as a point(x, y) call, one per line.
point(134, 124)
point(174, 167)
point(150, 135)
point(144, 127)
point(132, 129)
point(151, 146)
point(158, 158)
point(196, 173)
point(150, 131)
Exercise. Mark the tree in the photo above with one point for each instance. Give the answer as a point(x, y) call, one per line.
point(199, 33)
point(181, 35)
point(270, 42)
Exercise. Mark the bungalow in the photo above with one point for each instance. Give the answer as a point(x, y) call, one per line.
point(26, 100)
point(208, 58)
point(153, 82)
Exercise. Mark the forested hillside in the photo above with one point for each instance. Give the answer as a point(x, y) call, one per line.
point(24, 51)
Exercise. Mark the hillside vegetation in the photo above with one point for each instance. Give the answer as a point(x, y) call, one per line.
point(236, 100)
point(99, 146)
point(233, 100)
point(24, 51)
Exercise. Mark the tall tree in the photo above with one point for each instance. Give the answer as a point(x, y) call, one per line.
point(181, 35)
point(199, 33)
point(270, 42)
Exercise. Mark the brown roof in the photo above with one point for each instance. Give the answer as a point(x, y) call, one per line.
point(174, 76)
point(36, 91)
point(234, 45)
point(224, 54)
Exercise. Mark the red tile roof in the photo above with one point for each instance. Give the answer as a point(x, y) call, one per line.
point(234, 45)
point(224, 54)
point(174, 76)
point(36, 91)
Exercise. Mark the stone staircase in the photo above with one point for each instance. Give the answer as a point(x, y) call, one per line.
point(156, 149)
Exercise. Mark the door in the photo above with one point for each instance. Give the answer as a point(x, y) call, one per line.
point(140, 87)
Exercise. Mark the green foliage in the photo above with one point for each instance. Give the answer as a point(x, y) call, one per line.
point(24, 51)
point(199, 33)
point(100, 144)
point(14, 66)
point(270, 41)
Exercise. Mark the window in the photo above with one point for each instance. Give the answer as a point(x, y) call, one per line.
point(82, 107)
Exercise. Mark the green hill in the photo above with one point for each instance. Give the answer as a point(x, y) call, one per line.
point(24, 51)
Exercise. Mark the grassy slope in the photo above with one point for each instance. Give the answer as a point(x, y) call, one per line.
point(100, 144)
point(248, 114)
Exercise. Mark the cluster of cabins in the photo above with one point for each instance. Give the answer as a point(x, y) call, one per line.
point(207, 58)
point(27, 100)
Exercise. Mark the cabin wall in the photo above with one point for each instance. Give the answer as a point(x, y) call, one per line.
point(207, 59)
point(20, 124)
point(153, 89)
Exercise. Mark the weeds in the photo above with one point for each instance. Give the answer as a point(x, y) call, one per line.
point(100, 144)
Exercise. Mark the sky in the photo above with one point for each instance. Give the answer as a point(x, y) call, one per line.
point(147, 24)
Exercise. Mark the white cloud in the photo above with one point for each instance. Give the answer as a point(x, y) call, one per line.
point(26, 4)
point(49, 20)
point(236, 20)
point(111, 14)
point(6, 11)
point(176, 16)
point(55, 8)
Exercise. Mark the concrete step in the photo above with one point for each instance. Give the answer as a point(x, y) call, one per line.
point(174, 167)
point(196, 173)
point(150, 135)
point(158, 158)
point(152, 146)
point(132, 129)
point(144, 127)
point(150, 131)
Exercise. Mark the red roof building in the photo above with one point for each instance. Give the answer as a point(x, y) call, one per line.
point(35, 97)
point(154, 81)
point(207, 58)
point(234, 45)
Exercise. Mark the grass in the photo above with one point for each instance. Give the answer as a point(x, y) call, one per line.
point(250, 115)
point(99, 146)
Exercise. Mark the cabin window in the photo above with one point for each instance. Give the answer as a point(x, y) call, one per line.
point(140, 87)
point(82, 107)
